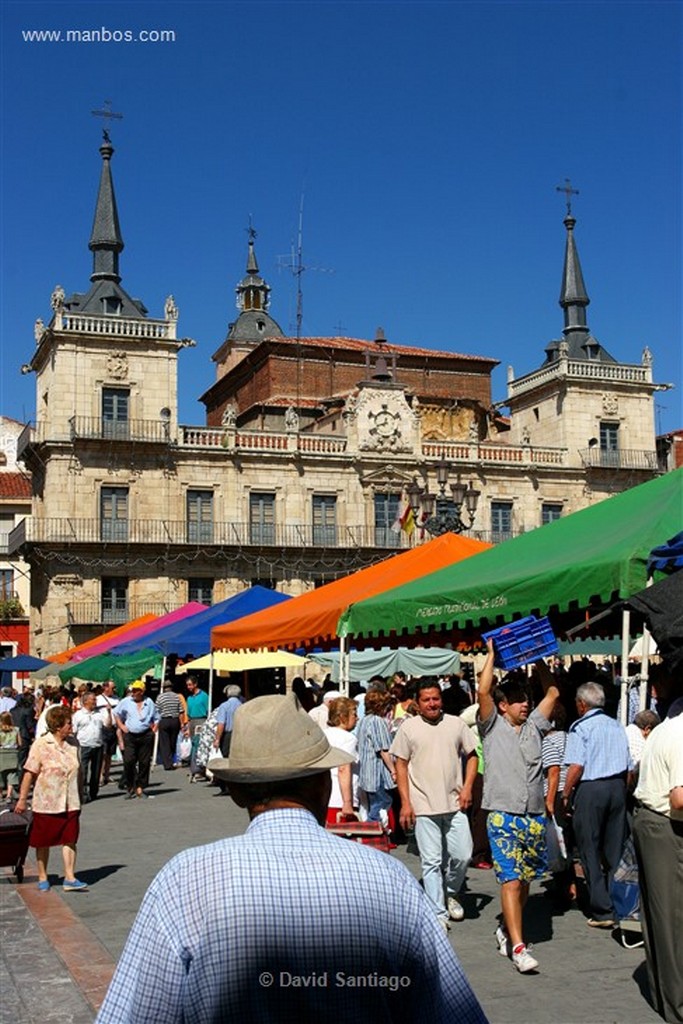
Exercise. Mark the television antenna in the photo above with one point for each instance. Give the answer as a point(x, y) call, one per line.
point(294, 262)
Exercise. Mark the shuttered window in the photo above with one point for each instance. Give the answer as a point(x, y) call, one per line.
point(114, 514)
point(325, 520)
point(200, 517)
point(501, 521)
point(115, 415)
point(261, 518)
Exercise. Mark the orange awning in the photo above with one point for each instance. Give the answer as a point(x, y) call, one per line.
point(312, 618)
point(118, 634)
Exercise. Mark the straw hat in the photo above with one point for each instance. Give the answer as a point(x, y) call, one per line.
point(273, 739)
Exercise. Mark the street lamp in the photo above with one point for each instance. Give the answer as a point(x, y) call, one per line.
point(440, 514)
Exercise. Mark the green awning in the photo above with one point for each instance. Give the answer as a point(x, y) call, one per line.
point(122, 668)
point(596, 555)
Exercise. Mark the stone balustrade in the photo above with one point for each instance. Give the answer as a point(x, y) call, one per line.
point(117, 327)
point(581, 369)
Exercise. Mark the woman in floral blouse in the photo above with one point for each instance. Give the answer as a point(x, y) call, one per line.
point(53, 767)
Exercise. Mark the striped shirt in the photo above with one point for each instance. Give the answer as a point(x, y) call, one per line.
point(169, 704)
point(599, 744)
point(373, 736)
point(552, 755)
point(261, 927)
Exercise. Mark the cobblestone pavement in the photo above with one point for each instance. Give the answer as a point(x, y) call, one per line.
point(58, 950)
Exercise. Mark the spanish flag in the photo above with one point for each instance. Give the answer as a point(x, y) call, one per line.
point(407, 520)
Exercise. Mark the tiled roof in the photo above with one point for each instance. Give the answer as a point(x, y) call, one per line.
point(15, 485)
point(360, 345)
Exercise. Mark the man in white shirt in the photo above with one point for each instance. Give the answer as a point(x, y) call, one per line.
point(106, 702)
point(658, 838)
point(88, 724)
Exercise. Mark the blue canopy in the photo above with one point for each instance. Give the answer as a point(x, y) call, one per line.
point(193, 636)
point(22, 663)
point(667, 557)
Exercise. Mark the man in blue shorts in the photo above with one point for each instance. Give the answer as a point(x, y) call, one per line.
point(513, 794)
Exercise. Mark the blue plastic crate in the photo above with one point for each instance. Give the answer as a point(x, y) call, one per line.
point(522, 641)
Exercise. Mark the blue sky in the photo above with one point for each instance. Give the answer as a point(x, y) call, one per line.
point(427, 139)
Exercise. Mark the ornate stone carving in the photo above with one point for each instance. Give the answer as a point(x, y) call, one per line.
point(291, 420)
point(610, 404)
point(38, 329)
point(385, 421)
point(117, 365)
point(647, 357)
point(229, 417)
point(526, 435)
point(57, 298)
point(448, 424)
point(170, 309)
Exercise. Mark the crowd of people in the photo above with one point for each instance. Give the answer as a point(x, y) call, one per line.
point(530, 775)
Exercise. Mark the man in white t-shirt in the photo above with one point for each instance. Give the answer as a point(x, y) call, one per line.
point(435, 793)
point(106, 702)
point(658, 837)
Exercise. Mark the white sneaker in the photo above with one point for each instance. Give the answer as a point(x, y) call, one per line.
point(524, 961)
point(455, 911)
point(503, 941)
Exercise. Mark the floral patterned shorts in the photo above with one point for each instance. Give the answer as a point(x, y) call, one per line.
point(518, 846)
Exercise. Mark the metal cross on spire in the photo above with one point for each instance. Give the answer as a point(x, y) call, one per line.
point(568, 192)
point(108, 114)
point(251, 230)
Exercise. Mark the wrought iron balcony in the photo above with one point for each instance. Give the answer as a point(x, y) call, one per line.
point(622, 458)
point(69, 531)
point(114, 613)
point(95, 428)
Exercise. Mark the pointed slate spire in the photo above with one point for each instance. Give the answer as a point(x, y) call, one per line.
point(252, 291)
point(573, 296)
point(252, 265)
point(105, 240)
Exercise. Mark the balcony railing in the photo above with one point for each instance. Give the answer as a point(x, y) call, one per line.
point(485, 453)
point(582, 369)
point(68, 531)
point(87, 613)
point(94, 428)
point(317, 444)
point(120, 327)
point(623, 458)
point(4, 543)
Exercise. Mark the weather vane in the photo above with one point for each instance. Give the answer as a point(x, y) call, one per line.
point(108, 114)
point(569, 192)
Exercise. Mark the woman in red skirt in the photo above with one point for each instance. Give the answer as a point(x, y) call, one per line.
point(53, 768)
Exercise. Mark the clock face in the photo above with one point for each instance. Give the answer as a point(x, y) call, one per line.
point(385, 423)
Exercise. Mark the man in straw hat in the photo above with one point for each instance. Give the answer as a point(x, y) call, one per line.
point(266, 927)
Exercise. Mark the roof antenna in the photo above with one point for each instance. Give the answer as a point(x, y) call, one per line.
point(294, 261)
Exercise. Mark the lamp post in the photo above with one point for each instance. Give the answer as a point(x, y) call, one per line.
point(438, 513)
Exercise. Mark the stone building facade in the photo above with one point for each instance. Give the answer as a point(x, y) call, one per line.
point(311, 452)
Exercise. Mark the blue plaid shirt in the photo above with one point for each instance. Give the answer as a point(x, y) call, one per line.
point(270, 927)
point(599, 744)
